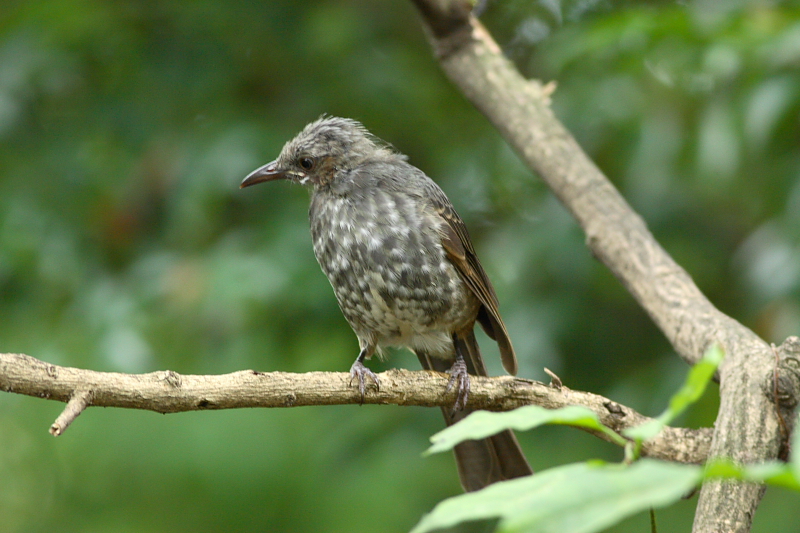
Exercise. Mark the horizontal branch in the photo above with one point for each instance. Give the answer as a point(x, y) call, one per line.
point(170, 392)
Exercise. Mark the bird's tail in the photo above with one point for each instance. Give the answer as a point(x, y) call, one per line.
point(480, 462)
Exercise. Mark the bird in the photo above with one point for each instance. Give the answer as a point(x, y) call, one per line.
point(403, 269)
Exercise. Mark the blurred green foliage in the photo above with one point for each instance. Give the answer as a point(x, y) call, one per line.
point(126, 245)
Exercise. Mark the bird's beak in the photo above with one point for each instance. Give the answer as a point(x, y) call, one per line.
point(268, 172)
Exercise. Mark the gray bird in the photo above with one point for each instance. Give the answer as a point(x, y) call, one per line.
point(403, 269)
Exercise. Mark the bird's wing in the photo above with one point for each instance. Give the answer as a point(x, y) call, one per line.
point(461, 253)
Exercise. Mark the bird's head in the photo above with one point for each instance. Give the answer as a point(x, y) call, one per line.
point(316, 154)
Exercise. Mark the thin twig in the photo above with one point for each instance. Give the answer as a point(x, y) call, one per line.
point(80, 400)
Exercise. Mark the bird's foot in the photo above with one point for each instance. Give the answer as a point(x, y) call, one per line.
point(459, 377)
point(360, 372)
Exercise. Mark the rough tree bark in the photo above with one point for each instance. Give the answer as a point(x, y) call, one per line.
point(748, 428)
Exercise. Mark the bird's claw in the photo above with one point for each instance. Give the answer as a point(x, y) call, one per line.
point(459, 377)
point(360, 372)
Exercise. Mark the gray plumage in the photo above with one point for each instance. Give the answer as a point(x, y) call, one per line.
point(402, 267)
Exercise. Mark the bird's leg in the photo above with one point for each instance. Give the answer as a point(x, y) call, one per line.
point(358, 370)
point(459, 376)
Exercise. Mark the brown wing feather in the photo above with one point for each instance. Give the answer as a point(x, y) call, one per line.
point(461, 253)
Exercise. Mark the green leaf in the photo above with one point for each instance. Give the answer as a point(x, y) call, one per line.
point(692, 389)
point(482, 424)
point(699, 377)
point(774, 473)
point(722, 468)
point(646, 431)
point(548, 502)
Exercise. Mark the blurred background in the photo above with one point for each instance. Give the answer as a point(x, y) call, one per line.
point(126, 244)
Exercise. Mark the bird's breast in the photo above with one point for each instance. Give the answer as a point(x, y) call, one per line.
point(383, 256)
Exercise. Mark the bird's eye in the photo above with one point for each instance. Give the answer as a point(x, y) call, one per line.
point(307, 163)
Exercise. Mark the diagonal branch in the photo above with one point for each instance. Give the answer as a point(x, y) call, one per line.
point(170, 392)
point(616, 235)
point(747, 428)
